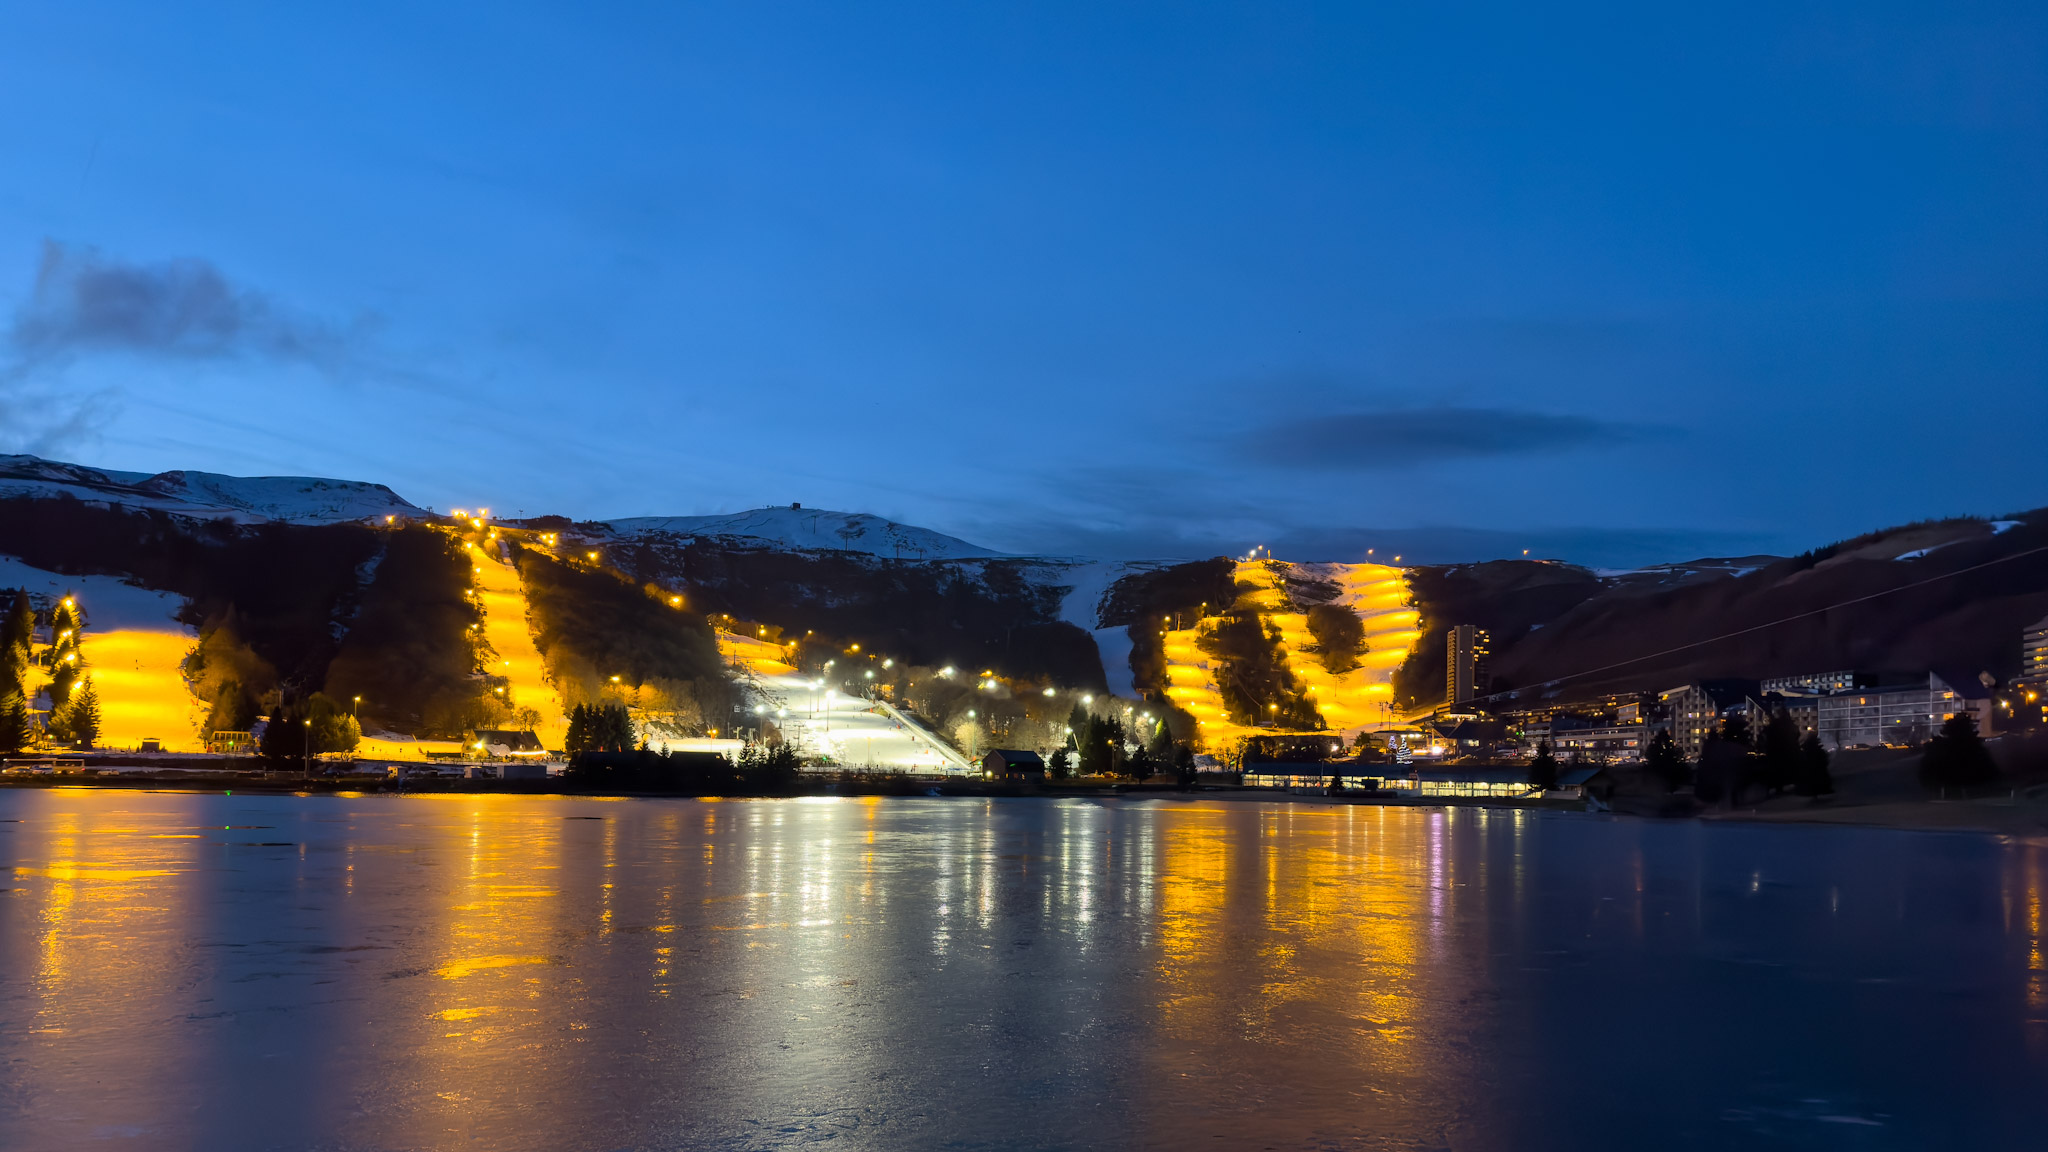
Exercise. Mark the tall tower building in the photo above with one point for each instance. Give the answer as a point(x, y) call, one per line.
point(1465, 674)
point(2034, 652)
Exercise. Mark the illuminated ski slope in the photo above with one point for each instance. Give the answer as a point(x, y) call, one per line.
point(142, 690)
point(133, 647)
point(752, 654)
point(1379, 594)
point(506, 630)
point(1355, 700)
point(821, 722)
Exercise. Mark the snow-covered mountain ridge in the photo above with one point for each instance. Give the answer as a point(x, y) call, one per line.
point(796, 527)
point(207, 495)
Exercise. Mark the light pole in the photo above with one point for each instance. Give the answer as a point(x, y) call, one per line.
point(306, 752)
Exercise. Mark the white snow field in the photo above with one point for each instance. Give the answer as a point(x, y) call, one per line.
point(205, 495)
point(821, 721)
point(814, 528)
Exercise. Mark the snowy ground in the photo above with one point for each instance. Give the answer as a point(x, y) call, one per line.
point(855, 732)
point(821, 721)
point(246, 499)
point(815, 528)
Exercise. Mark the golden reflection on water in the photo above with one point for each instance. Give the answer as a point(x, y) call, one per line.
point(534, 972)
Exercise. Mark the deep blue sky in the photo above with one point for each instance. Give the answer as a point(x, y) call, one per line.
point(1612, 283)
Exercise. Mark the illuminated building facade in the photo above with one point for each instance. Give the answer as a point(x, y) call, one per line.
point(1695, 710)
point(1907, 713)
point(1811, 683)
point(1465, 672)
point(2034, 654)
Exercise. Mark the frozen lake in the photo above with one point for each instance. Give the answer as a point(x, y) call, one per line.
point(230, 972)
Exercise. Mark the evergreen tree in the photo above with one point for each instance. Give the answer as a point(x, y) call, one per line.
point(1780, 757)
point(17, 728)
point(17, 641)
point(1094, 746)
point(1184, 765)
point(1726, 764)
point(1160, 747)
point(1059, 765)
point(1735, 729)
point(1543, 769)
point(284, 735)
point(612, 729)
point(66, 656)
point(1813, 778)
point(19, 628)
point(1077, 723)
point(1664, 761)
point(578, 737)
point(82, 715)
point(1957, 757)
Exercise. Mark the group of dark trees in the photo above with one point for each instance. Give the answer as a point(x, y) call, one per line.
point(1252, 676)
point(1102, 746)
point(1339, 637)
point(17, 636)
point(599, 728)
point(1957, 757)
point(1734, 761)
point(760, 771)
point(308, 727)
point(74, 716)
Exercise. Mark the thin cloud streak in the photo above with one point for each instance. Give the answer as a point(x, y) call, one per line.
point(1405, 437)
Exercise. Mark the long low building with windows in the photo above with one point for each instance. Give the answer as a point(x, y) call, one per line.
point(1475, 783)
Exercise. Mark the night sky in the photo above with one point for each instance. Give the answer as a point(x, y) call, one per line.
point(1610, 283)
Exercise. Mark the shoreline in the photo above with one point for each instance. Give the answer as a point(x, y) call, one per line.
point(2010, 815)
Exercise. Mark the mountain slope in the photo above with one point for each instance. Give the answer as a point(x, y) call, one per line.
point(207, 495)
point(1951, 596)
point(808, 528)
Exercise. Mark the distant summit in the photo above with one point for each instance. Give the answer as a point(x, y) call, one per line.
point(795, 526)
point(207, 495)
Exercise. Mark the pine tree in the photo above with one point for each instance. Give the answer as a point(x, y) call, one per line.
point(613, 729)
point(1813, 778)
point(1957, 757)
point(82, 715)
point(19, 629)
point(1666, 762)
point(17, 728)
point(17, 641)
point(1780, 752)
point(1093, 747)
point(577, 739)
point(1543, 769)
point(1735, 729)
point(284, 735)
point(1059, 764)
point(1160, 747)
point(66, 655)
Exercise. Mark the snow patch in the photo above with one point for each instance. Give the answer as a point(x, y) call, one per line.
point(207, 495)
point(1999, 527)
point(1115, 645)
point(815, 529)
point(110, 604)
point(1088, 583)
